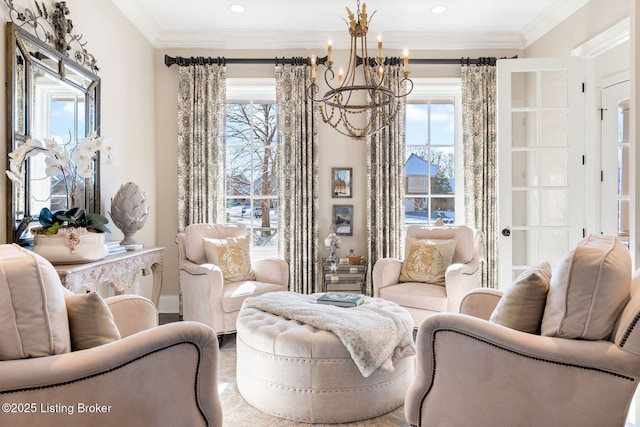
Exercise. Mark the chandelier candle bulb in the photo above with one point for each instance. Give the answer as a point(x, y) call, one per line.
point(340, 75)
point(405, 55)
point(329, 49)
point(313, 68)
point(379, 45)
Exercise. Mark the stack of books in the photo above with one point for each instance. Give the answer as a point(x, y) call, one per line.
point(115, 247)
point(341, 299)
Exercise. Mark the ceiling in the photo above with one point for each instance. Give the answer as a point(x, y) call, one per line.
point(304, 24)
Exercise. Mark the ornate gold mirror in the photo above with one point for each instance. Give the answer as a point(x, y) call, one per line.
point(54, 99)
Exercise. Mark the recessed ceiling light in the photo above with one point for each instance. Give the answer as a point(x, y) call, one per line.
point(237, 8)
point(439, 9)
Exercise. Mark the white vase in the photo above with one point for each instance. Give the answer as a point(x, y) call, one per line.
point(71, 246)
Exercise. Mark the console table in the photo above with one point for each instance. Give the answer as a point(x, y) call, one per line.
point(118, 271)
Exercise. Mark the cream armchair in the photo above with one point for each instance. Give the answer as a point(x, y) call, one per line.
point(424, 299)
point(474, 372)
point(131, 381)
point(206, 296)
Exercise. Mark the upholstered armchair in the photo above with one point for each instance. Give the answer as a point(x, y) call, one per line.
point(472, 371)
point(209, 297)
point(419, 294)
point(125, 372)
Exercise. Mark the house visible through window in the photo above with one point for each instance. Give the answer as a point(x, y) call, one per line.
point(251, 165)
point(431, 156)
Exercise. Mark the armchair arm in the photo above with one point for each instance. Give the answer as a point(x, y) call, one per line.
point(460, 279)
point(272, 270)
point(165, 376)
point(480, 302)
point(547, 381)
point(202, 287)
point(386, 272)
point(132, 313)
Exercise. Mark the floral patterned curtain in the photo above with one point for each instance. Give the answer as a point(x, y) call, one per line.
point(385, 177)
point(201, 131)
point(297, 177)
point(480, 160)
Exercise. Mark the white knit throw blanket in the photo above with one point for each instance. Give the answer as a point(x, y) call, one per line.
point(374, 336)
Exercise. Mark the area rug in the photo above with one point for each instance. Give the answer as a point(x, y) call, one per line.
point(238, 413)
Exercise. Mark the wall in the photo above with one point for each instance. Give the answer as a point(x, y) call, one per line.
point(127, 70)
point(593, 18)
point(335, 150)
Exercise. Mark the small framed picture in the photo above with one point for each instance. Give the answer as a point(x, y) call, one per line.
point(352, 251)
point(343, 219)
point(341, 182)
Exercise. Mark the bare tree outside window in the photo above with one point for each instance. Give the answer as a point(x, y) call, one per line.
point(251, 170)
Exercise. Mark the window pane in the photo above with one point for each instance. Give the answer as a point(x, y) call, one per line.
point(416, 210)
point(238, 170)
point(264, 171)
point(417, 127)
point(442, 124)
point(443, 182)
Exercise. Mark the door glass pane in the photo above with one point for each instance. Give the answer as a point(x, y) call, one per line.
point(554, 89)
point(523, 89)
point(524, 129)
point(555, 208)
point(524, 168)
point(526, 241)
point(525, 208)
point(554, 128)
point(553, 245)
point(553, 168)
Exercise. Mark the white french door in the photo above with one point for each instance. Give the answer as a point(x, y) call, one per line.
point(616, 155)
point(541, 157)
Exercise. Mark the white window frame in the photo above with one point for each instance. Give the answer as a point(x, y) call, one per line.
point(425, 88)
point(253, 91)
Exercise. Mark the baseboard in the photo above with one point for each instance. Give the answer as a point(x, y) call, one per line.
point(168, 304)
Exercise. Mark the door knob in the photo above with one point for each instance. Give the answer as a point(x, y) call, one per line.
point(506, 232)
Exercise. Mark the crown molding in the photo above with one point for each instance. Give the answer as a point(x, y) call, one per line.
point(545, 22)
point(132, 11)
point(608, 39)
point(317, 40)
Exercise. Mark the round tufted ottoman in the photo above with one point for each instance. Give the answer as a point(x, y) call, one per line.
point(293, 370)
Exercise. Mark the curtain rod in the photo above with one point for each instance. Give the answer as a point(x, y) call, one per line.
point(182, 61)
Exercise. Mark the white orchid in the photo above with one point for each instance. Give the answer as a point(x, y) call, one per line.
point(69, 161)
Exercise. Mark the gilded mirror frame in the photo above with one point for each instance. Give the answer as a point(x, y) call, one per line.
point(27, 57)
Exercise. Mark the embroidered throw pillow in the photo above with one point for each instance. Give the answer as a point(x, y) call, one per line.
point(426, 260)
point(522, 304)
point(90, 321)
point(232, 256)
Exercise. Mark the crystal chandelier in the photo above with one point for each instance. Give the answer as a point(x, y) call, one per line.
point(360, 104)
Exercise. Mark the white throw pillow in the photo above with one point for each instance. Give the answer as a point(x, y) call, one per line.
point(522, 305)
point(232, 256)
point(33, 314)
point(427, 260)
point(588, 289)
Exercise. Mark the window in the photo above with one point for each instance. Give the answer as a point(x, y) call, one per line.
point(432, 155)
point(251, 165)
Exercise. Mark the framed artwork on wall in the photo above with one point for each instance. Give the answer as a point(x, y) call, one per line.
point(343, 220)
point(341, 182)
